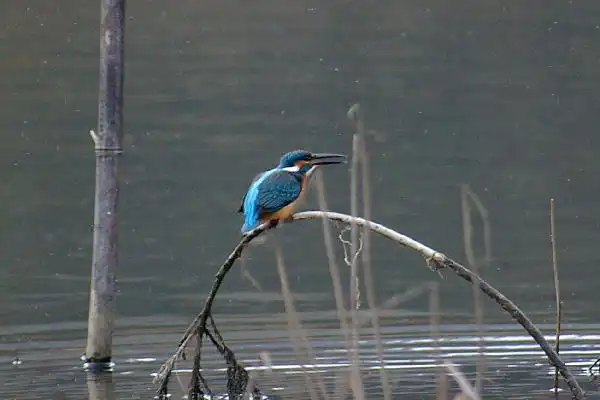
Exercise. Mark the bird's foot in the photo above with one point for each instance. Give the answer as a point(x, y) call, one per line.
point(273, 223)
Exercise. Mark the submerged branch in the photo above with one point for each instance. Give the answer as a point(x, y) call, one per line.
point(434, 259)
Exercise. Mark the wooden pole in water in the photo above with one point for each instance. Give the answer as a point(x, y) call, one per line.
point(107, 146)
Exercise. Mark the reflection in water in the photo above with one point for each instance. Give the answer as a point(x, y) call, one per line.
point(101, 386)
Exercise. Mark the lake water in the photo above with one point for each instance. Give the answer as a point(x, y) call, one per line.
point(502, 97)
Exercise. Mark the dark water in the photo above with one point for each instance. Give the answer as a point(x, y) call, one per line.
point(502, 97)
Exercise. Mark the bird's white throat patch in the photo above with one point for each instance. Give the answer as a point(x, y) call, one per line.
point(295, 168)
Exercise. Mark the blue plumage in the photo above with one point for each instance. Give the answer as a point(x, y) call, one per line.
point(279, 189)
point(250, 206)
point(290, 159)
point(274, 190)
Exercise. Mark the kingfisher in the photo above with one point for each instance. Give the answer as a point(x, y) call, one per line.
point(274, 194)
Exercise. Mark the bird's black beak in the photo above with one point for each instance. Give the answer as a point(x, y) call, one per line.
point(328, 158)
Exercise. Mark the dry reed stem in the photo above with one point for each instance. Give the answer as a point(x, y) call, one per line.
point(355, 114)
point(367, 265)
point(245, 274)
point(556, 288)
point(390, 303)
point(466, 388)
point(468, 196)
point(356, 379)
point(557, 344)
point(487, 227)
point(435, 259)
point(440, 261)
point(300, 343)
point(340, 388)
point(354, 280)
point(434, 326)
point(408, 295)
point(356, 383)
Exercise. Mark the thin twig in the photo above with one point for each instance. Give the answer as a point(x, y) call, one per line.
point(350, 256)
point(216, 331)
point(556, 288)
point(439, 260)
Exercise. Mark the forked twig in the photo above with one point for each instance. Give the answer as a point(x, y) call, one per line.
point(198, 327)
point(350, 258)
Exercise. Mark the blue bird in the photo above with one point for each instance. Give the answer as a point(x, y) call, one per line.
point(274, 194)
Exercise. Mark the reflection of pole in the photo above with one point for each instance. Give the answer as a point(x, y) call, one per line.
point(108, 149)
point(101, 387)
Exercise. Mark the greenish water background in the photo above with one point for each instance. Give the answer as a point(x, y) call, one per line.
point(503, 97)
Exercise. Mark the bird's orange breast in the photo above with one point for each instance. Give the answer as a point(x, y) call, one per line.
point(283, 213)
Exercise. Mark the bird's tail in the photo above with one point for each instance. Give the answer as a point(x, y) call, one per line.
point(251, 220)
point(251, 210)
point(248, 226)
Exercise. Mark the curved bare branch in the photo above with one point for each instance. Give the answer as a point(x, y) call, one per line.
point(434, 258)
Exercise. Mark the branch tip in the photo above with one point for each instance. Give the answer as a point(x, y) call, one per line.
point(353, 111)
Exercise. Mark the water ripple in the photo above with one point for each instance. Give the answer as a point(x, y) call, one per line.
point(515, 364)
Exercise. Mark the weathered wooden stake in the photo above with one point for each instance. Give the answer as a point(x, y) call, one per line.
point(107, 145)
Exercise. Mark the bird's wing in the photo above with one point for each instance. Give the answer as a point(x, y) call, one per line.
point(278, 190)
point(241, 209)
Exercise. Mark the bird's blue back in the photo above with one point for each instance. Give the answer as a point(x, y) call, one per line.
point(250, 207)
point(271, 191)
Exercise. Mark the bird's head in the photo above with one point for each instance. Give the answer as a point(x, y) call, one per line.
point(302, 160)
